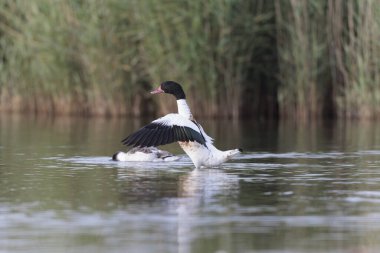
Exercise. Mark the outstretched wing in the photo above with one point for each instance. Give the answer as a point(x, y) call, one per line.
point(170, 128)
point(203, 133)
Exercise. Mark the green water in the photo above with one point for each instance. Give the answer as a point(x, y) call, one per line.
point(296, 188)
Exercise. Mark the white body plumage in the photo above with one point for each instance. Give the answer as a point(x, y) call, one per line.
point(202, 155)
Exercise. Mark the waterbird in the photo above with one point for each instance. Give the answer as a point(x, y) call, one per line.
point(145, 154)
point(180, 127)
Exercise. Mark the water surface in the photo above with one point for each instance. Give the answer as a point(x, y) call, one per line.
point(296, 188)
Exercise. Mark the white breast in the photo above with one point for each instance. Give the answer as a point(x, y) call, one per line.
point(204, 156)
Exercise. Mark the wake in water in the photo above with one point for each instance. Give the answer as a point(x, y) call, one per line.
point(248, 160)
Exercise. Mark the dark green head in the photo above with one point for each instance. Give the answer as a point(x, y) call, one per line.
point(170, 87)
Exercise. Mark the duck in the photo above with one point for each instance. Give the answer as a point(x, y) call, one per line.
point(145, 154)
point(182, 128)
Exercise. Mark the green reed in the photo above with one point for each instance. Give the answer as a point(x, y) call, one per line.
point(301, 52)
point(359, 96)
point(100, 56)
point(300, 59)
point(329, 58)
point(65, 57)
point(206, 45)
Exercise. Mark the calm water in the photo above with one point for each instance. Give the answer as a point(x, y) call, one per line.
point(296, 188)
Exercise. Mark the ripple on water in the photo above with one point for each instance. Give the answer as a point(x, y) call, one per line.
point(295, 155)
point(76, 220)
point(242, 161)
point(367, 152)
point(107, 162)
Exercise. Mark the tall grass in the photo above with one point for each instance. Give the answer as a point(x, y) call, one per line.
point(329, 58)
point(303, 59)
point(301, 51)
point(65, 57)
point(357, 59)
point(206, 45)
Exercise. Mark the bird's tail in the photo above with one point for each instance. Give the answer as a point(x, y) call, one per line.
point(233, 152)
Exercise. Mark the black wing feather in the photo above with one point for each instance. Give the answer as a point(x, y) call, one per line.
point(150, 138)
point(177, 132)
point(186, 134)
point(156, 138)
point(189, 134)
point(153, 139)
point(171, 135)
point(155, 134)
point(160, 137)
point(165, 136)
point(183, 134)
point(141, 137)
point(198, 137)
point(147, 137)
point(132, 138)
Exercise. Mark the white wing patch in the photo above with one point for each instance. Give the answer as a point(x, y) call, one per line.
point(174, 119)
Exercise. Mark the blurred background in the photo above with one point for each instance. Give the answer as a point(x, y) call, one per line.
point(235, 58)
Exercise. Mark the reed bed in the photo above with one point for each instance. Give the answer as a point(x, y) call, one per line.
point(206, 45)
point(358, 60)
point(67, 57)
point(329, 58)
point(300, 59)
point(301, 51)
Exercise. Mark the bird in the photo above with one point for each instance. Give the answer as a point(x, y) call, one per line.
point(180, 127)
point(145, 154)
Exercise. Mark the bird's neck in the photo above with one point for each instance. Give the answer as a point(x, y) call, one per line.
point(184, 109)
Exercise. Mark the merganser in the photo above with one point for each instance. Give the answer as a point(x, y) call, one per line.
point(144, 154)
point(182, 128)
